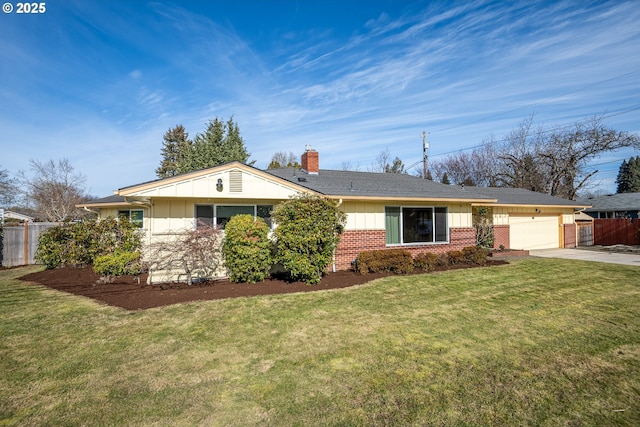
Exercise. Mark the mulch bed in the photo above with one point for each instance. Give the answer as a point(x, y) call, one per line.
point(126, 293)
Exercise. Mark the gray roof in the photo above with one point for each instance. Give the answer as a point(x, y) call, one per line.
point(370, 184)
point(109, 200)
point(614, 202)
point(391, 185)
point(519, 196)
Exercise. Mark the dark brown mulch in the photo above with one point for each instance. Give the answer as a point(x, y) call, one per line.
point(126, 293)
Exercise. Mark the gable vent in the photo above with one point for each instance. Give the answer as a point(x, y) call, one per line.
point(235, 182)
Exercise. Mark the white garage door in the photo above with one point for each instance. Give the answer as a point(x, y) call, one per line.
point(534, 232)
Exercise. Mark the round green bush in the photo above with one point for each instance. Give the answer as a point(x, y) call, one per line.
point(119, 263)
point(247, 249)
point(307, 234)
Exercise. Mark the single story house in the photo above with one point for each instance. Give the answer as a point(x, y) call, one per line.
point(383, 210)
point(623, 205)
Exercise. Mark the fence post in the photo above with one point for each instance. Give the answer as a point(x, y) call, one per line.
point(25, 246)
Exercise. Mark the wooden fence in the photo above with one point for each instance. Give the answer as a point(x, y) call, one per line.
point(615, 231)
point(19, 243)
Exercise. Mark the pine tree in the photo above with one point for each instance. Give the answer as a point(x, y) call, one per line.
point(220, 143)
point(429, 176)
point(628, 179)
point(174, 148)
point(445, 179)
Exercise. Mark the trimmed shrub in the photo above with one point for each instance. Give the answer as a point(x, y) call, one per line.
point(443, 260)
point(426, 261)
point(80, 243)
point(397, 261)
point(247, 249)
point(308, 232)
point(475, 255)
point(456, 258)
point(119, 263)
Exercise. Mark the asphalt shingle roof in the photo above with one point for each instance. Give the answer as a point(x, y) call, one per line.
point(519, 196)
point(370, 184)
point(614, 202)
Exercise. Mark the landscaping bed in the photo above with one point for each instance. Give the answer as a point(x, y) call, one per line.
point(125, 292)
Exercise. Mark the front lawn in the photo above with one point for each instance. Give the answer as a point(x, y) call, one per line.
point(537, 342)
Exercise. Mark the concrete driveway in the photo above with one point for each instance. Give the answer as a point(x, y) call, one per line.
point(589, 255)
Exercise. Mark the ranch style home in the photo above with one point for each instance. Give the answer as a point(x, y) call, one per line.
point(383, 210)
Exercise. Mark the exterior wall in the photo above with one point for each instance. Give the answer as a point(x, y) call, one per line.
point(370, 215)
point(569, 231)
point(501, 236)
point(355, 241)
point(236, 184)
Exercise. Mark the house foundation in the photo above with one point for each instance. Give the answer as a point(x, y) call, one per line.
point(352, 242)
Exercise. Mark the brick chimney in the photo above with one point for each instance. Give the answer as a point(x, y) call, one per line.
point(310, 162)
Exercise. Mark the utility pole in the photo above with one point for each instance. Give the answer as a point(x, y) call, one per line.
point(425, 147)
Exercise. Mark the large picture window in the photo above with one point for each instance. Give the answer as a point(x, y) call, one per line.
point(405, 225)
point(208, 215)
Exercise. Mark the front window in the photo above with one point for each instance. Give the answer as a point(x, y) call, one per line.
point(208, 215)
point(406, 225)
point(135, 216)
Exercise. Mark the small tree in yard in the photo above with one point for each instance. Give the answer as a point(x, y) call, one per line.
point(196, 253)
point(483, 224)
point(308, 232)
point(247, 249)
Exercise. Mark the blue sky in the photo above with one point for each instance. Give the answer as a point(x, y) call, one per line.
point(99, 82)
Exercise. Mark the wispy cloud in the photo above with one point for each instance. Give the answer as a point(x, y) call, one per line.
point(100, 83)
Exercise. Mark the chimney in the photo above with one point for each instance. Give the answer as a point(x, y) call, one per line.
point(310, 161)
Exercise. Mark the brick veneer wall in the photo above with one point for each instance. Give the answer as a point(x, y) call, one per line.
point(569, 235)
point(352, 242)
point(501, 236)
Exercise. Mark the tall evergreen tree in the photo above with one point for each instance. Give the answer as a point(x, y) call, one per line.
point(220, 143)
point(628, 179)
point(445, 179)
point(174, 149)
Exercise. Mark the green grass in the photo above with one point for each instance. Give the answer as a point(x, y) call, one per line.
point(539, 342)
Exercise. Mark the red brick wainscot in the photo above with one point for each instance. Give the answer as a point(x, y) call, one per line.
point(501, 236)
point(352, 242)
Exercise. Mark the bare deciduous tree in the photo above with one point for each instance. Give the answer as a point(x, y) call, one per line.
point(552, 161)
point(283, 159)
point(194, 253)
point(384, 164)
point(567, 152)
point(8, 188)
point(55, 188)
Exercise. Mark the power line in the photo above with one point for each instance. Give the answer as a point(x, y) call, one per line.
point(539, 133)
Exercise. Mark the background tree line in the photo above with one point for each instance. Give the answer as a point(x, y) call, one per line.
point(553, 161)
point(220, 143)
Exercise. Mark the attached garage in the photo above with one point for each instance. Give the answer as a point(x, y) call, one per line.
point(534, 231)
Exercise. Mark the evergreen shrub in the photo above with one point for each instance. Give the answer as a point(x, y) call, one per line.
point(247, 249)
point(118, 263)
point(307, 234)
point(426, 261)
point(397, 261)
point(78, 244)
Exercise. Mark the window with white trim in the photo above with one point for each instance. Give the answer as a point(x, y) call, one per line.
point(135, 216)
point(208, 215)
point(411, 225)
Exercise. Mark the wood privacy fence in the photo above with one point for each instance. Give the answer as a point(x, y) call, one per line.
point(616, 231)
point(19, 243)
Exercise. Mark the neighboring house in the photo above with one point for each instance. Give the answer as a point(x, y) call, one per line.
point(12, 216)
point(623, 205)
point(383, 210)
